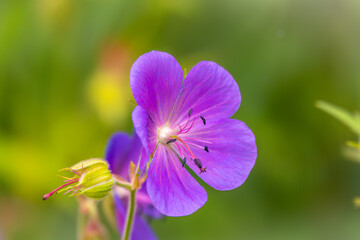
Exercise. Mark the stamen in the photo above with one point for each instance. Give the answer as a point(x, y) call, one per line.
point(199, 165)
point(206, 148)
point(46, 196)
point(182, 141)
point(198, 162)
point(178, 146)
point(190, 112)
point(189, 128)
point(203, 119)
point(183, 162)
point(171, 141)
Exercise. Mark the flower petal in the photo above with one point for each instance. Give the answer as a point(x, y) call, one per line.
point(116, 150)
point(155, 80)
point(144, 204)
point(145, 128)
point(210, 91)
point(121, 150)
point(141, 229)
point(173, 191)
point(232, 152)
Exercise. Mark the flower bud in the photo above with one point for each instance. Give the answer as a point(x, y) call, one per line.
point(92, 178)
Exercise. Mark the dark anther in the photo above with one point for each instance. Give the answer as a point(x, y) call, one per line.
point(183, 162)
point(206, 148)
point(203, 119)
point(190, 112)
point(198, 163)
point(171, 141)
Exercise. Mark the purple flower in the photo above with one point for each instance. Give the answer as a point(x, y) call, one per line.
point(186, 121)
point(121, 150)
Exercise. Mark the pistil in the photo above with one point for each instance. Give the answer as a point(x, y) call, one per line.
point(46, 196)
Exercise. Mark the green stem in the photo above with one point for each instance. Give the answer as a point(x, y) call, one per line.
point(81, 221)
point(122, 183)
point(130, 216)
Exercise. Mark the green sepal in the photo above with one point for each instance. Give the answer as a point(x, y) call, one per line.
point(98, 191)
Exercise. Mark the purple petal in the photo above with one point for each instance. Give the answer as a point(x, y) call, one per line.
point(145, 205)
point(116, 151)
point(232, 152)
point(141, 229)
point(151, 211)
point(173, 191)
point(144, 128)
point(121, 150)
point(155, 80)
point(210, 91)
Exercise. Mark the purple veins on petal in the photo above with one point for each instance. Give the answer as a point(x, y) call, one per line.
point(173, 191)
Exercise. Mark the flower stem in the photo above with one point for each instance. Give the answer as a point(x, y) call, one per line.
point(81, 221)
point(121, 183)
point(130, 216)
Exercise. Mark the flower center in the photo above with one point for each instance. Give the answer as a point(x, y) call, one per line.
point(180, 140)
point(164, 134)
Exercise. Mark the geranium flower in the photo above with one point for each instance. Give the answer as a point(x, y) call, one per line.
point(186, 122)
point(121, 150)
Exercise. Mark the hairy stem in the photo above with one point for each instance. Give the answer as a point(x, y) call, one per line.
point(130, 216)
point(121, 183)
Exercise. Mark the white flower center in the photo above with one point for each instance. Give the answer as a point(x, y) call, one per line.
point(164, 133)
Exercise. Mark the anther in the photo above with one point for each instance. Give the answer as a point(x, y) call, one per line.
point(199, 165)
point(203, 119)
point(190, 112)
point(206, 148)
point(183, 162)
point(171, 141)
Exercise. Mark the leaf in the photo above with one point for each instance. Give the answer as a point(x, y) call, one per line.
point(340, 114)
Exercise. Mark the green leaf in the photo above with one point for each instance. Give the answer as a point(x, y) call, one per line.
point(340, 114)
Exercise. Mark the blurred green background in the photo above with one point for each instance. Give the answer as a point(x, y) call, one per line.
point(64, 69)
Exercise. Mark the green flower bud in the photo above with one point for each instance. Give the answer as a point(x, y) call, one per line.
point(92, 179)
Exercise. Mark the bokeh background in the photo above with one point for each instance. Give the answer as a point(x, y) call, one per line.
point(64, 72)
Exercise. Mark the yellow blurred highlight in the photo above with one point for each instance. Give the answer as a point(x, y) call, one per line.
point(109, 93)
point(357, 202)
point(54, 13)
